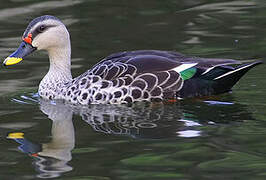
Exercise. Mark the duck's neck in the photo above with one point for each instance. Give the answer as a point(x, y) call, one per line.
point(60, 64)
point(59, 72)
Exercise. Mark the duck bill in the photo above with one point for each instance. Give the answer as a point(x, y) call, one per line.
point(23, 50)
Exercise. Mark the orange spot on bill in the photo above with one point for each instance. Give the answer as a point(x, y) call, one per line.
point(28, 39)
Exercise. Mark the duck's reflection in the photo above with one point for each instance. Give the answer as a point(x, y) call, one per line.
point(150, 121)
point(57, 152)
point(50, 159)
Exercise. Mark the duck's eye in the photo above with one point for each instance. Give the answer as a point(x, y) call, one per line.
point(41, 28)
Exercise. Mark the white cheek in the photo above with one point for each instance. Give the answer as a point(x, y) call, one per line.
point(35, 43)
point(53, 38)
point(38, 42)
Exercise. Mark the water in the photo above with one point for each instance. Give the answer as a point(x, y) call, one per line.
point(220, 137)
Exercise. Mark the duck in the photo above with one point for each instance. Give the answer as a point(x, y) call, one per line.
point(124, 77)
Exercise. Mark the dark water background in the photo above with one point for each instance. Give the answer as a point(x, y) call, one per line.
point(221, 137)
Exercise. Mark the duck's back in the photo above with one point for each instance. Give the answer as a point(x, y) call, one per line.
point(151, 75)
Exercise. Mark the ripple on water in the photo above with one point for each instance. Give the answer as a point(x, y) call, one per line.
point(220, 138)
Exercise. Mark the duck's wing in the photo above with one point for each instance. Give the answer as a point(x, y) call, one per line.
point(142, 61)
point(152, 61)
point(159, 73)
point(150, 75)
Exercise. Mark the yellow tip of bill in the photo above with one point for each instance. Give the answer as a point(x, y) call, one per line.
point(12, 60)
point(18, 135)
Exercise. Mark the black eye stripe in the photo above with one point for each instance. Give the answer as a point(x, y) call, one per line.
point(40, 29)
point(37, 20)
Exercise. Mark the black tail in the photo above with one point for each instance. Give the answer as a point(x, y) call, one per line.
point(219, 80)
point(226, 81)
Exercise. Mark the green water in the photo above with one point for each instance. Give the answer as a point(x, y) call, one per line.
point(221, 137)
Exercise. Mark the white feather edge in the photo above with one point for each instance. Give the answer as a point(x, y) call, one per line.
point(208, 70)
point(230, 72)
point(224, 64)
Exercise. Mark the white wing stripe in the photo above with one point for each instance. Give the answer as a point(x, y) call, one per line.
point(184, 67)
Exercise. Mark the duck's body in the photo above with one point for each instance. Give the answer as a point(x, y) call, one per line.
point(125, 77)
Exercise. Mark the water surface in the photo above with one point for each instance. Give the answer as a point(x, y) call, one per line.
point(220, 137)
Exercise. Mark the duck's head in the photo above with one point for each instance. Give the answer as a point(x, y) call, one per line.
point(43, 33)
